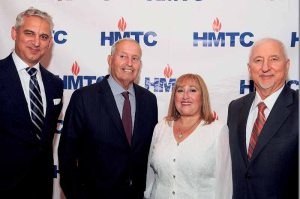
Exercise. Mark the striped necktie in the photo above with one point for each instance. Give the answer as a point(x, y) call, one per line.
point(36, 103)
point(257, 127)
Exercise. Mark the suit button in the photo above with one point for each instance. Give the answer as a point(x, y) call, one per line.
point(247, 176)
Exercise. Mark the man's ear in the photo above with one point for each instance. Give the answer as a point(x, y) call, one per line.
point(13, 33)
point(50, 42)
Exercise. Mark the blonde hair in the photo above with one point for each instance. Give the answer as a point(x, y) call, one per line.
point(206, 113)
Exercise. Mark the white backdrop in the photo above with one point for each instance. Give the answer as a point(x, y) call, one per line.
point(208, 37)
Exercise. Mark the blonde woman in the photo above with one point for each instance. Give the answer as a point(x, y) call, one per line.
point(189, 155)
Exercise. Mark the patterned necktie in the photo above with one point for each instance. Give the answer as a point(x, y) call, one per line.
point(36, 103)
point(126, 117)
point(257, 127)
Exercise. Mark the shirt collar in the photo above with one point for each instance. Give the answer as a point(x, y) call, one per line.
point(20, 64)
point(117, 88)
point(269, 101)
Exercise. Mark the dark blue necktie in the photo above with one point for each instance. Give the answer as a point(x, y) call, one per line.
point(36, 103)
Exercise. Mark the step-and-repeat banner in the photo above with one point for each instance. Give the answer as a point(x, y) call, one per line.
point(208, 37)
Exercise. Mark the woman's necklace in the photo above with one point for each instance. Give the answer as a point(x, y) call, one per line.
point(181, 132)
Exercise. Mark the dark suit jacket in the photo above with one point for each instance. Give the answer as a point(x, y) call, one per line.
point(95, 158)
point(26, 168)
point(272, 173)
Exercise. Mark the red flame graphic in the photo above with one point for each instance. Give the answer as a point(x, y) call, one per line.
point(168, 72)
point(216, 117)
point(122, 24)
point(217, 25)
point(75, 69)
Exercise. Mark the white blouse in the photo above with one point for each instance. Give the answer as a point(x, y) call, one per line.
point(199, 167)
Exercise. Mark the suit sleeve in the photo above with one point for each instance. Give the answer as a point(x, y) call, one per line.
point(69, 147)
point(228, 112)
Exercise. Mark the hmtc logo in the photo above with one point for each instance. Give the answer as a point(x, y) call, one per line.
point(147, 37)
point(249, 86)
point(294, 39)
point(161, 84)
point(75, 81)
point(60, 36)
point(222, 39)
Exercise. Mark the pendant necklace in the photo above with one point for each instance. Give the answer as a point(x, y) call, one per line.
point(181, 133)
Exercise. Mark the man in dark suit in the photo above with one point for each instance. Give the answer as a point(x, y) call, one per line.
point(97, 159)
point(265, 153)
point(26, 168)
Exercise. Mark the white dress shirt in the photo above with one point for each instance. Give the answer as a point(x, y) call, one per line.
point(25, 79)
point(269, 102)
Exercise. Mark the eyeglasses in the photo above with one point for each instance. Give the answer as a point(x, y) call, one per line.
point(134, 59)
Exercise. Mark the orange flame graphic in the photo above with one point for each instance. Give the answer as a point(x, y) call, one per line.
point(168, 72)
point(75, 69)
point(217, 25)
point(122, 24)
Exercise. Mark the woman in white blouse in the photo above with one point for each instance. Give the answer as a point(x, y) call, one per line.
point(189, 155)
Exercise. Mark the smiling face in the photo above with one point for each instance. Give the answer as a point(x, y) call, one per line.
point(188, 98)
point(268, 66)
point(32, 39)
point(125, 62)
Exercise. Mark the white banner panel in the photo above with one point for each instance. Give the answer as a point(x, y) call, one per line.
point(211, 38)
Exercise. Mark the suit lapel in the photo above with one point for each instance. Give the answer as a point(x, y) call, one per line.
point(278, 115)
point(244, 112)
point(138, 113)
point(49, 100)
point(13, 88)
point(106, 95)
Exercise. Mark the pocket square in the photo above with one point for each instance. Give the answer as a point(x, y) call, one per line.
point(56, 101)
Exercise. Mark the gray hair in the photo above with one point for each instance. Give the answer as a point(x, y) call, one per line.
point(270, 39)
point(114, 46)
point(33, 12)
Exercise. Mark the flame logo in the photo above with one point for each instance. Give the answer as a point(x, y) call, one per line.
point(168, 72)
point(217, 25)
point(122, 24)
point(75, 69)
point(216, 117)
